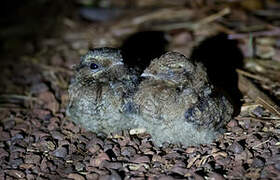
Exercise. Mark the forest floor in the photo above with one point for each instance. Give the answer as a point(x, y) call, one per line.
point(239, 41)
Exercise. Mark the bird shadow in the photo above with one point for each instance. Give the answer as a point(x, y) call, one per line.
point(140, 48)
point(222, 57)
point(219, 55)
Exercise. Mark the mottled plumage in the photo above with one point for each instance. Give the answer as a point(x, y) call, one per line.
point(177, 104)
point(100, 94)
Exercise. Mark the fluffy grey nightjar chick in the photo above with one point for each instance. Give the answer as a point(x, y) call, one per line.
point(177, 104)
point(101, 92)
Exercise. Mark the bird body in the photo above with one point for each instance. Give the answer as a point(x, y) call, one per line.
point(101, 89)
point(175, 102)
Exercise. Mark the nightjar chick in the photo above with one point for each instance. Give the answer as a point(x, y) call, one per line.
point(101, 92)
point(177, 104)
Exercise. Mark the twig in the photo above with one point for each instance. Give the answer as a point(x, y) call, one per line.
point(191, 25)
point(48, 67)
point(213, 17)
point(16, 96)
point(272, 108)
point(254, 119)
point(162, 14)
point(273, 32)
point(250, 75)
point(271, 118)
point(56, 69)
point(260, 144)
point(249, 88)
point(14, 108)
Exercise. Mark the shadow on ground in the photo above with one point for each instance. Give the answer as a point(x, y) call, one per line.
point(222, 57)
point(139, 49)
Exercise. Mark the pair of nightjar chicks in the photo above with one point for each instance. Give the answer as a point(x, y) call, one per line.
point(172, 99)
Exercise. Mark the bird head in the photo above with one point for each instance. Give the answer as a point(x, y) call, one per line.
point(99, 65)
point(171, 67)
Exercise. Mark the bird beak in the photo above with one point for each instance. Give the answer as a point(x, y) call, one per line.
point(77, 67)
point(74, 66)
point(146, 74)
point(118, 63)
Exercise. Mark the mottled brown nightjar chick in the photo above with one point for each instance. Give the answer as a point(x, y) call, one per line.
point(176, 102)
point(101, 92)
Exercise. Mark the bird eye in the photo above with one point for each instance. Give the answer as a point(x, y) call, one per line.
point(93, 66)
